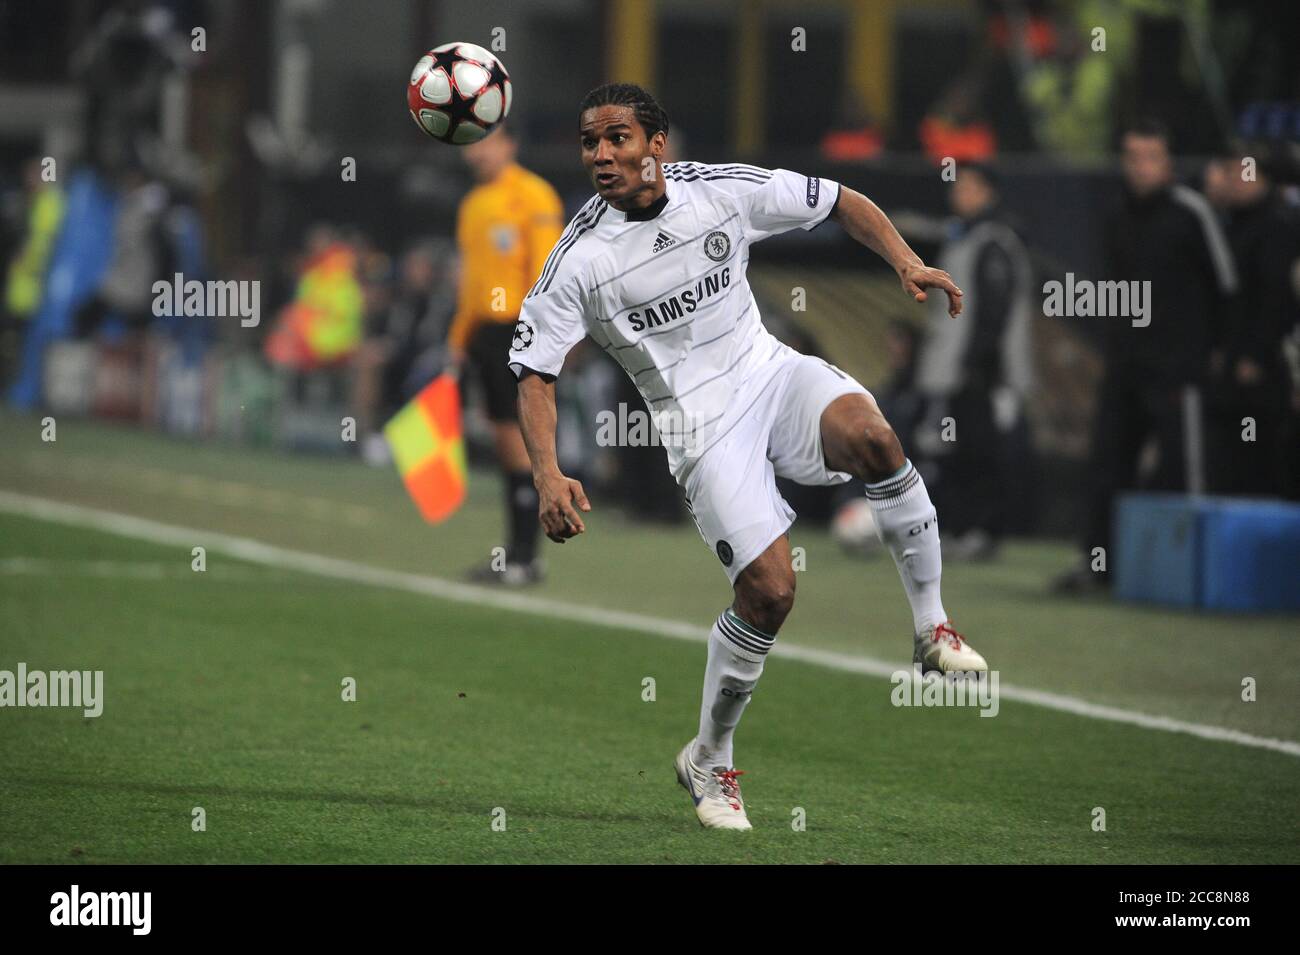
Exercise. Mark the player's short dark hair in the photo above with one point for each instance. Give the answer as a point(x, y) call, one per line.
point(648, 112)
point(1151, 128)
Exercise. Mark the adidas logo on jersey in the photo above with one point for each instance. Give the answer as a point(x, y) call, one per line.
point(662, 242)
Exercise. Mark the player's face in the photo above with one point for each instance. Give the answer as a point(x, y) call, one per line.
point(618, 157)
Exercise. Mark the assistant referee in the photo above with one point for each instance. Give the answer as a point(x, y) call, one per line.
point(506, 227)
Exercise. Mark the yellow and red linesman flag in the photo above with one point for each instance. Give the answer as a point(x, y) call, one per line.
point(429, 451)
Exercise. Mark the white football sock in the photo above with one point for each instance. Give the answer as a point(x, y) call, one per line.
point(909, 527)
point(736, 655)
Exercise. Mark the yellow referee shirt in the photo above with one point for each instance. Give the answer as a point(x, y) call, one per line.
point(505, 230)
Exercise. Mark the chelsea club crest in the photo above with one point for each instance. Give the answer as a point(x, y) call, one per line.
point(717, 245)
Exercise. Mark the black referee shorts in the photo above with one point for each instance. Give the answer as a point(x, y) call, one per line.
point(488, 352)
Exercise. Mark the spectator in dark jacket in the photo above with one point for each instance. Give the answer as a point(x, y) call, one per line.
point(1156, 369)
point(1250, 382)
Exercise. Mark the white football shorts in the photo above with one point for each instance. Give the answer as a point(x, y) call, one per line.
point(731, 488)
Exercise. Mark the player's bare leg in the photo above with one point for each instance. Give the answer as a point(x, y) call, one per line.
point(856, 438)
point(765, 589)
point(738, 645)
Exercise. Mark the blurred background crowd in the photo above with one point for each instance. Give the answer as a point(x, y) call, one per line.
point(1014, 142)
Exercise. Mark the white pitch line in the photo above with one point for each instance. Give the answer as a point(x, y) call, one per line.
point(124, 570)
point(258, 552)
point(37, 567)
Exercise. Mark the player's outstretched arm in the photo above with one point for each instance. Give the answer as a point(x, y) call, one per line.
point(866, 223)
point(557, 494)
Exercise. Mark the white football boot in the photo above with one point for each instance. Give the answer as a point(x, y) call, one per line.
point(715, 792)
point(942, 649)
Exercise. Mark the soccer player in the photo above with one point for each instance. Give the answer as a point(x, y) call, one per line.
point(653, 269)
point(506, 226)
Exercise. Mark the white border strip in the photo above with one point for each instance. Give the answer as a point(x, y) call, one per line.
point(257, 552)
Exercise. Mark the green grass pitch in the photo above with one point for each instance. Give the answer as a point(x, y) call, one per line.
point(223, 691)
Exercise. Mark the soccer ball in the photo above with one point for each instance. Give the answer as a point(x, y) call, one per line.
point(854, 528)
point(458, 93)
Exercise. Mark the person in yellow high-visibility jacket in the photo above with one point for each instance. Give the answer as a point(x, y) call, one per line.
point(506, 227)
point(24, 279)
point(322, 325)
point(26, 274)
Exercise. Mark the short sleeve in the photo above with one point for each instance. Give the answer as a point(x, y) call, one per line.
point(550, 323)
point(786, 200)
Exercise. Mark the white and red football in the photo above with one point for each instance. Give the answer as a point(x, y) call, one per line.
point(458, 93)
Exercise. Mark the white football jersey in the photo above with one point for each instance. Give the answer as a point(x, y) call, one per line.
point(665, 293)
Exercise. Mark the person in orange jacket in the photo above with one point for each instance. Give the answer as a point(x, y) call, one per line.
point(506, 227)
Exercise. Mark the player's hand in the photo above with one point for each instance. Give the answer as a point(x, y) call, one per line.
point(917, 278)
point(558, 500)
